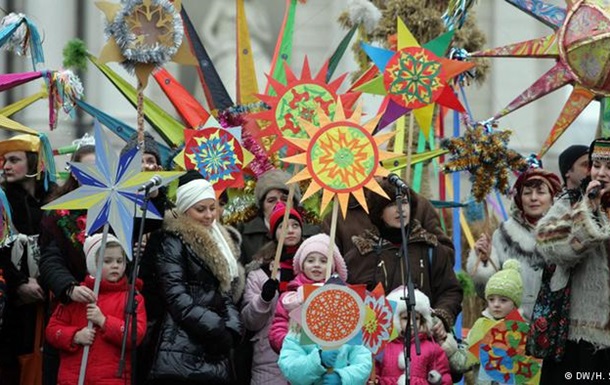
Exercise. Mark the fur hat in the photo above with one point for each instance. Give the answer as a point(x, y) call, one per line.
point(377, 203)
point(569, 156)
point(549, 178)
point(92, 245)
point(150, 146)
point(507, 282)
point(273, 179)
point(276, 217)
point(319, 243)
point(422, 305)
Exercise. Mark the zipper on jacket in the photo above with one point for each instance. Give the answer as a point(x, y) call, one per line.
point(421, 274)
point(381, 265)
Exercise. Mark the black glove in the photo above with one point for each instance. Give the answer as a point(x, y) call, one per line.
point(269, 289)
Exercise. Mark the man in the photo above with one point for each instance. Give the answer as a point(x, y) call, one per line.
point(574, 165)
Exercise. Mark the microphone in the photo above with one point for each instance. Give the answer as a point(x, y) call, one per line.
point(399, 183)
point(594, 192)
point(154, 181)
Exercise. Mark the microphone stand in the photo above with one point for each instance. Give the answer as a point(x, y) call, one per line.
point(409, 288)
point(131, 309)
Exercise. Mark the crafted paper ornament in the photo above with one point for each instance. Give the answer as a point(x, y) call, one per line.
point(18, 33)
point(109, 190)
point(217, 155)
point(332, 315)
point(377, 329)
point(579, 44)
point(415, 78)
point(499, 346)
point(485, 154)
point(341, 157)
point(299, 99)
point(143, 35)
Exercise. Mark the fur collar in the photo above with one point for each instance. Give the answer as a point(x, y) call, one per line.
point(519, 242)
point(370, 239)
point(203, 245)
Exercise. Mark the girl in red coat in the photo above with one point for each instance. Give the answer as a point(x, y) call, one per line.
point(432, 366)
point(67, 329)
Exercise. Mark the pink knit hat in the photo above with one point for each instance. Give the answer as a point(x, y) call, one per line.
point(319, 243)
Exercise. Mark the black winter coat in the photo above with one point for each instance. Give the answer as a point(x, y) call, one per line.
point(199, 324)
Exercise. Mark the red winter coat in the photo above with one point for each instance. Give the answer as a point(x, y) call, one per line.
point(105, 351)
point(432, 358)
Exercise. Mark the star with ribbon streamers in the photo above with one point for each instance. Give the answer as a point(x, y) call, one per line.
point(415, 78)
point(579, 45)
point(485, 154)
point(109, 190)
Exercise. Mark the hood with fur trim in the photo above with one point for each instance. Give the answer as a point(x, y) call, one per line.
point(203, 245)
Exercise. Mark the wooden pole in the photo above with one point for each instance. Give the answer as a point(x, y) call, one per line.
point(333, 231)
point(280, 241)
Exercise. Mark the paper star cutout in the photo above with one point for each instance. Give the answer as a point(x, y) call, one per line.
point(580, 47)
point(108, 190)
point(414, 77)
point(144, 35)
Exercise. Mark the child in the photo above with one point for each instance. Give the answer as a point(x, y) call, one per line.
point(67, 329)
point(503, 293)
point(307, 364)
point(260, 296)
point(432, 366)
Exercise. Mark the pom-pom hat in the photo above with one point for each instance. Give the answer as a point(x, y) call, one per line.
point(319, 243)
point(507, 282)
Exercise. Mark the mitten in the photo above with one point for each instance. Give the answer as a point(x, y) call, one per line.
point(269, 289)
point(332, 378)
point(328, 358)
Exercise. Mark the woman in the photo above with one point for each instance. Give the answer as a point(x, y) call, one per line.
point(199, 281)
point(24, 185)
point(574, 236)
point(515, 238)
point(270, 189)
point(260, 297)
point(376, 257)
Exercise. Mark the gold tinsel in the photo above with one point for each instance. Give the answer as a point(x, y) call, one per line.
point(484, 153)
point(424, 20)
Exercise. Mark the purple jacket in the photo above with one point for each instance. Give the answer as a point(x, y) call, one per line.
point(257, 316)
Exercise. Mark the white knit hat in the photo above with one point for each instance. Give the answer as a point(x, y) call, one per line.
point(422, 305)
point(91, 247)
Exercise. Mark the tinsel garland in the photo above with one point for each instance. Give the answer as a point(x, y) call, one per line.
point(484, 153)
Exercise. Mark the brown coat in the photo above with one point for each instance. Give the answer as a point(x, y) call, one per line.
point(357, 221)
point(375, 260)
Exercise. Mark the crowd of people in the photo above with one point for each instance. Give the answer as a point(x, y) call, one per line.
point(212, 307)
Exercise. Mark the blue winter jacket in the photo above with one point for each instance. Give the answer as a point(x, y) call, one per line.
point(301, 364)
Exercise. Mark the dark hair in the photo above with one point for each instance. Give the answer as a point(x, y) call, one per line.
point(71, 183)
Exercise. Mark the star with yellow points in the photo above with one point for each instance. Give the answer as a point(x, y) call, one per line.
point(144, 35)
point(415, 78)
point(341, 157)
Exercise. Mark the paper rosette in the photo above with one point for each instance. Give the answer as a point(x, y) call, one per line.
point(377, 329)
point(500, 348)
point(331, 315)
point(341, 157)
point(217, 155)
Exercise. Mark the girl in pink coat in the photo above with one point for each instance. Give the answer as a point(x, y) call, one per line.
point(429, 368)
point(68, 332)
point(261, 294)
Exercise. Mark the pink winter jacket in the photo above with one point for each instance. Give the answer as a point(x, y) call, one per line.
point(257, 316)
point(432, 358)
point(281, 320)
